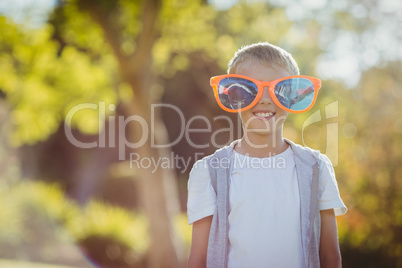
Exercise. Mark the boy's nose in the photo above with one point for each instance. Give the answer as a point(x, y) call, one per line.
point(265, 98)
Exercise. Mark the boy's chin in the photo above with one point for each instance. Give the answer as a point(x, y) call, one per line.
point(263, 128)
point(262, 131)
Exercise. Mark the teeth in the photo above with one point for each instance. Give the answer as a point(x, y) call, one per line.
point(264, 114)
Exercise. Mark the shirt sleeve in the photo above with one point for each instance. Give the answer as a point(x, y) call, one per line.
point(201, 200)
point(328, 195)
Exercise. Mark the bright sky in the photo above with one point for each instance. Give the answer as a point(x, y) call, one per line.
point(33, 12)
point(346, 56)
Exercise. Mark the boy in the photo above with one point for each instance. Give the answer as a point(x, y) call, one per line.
point(260, 209)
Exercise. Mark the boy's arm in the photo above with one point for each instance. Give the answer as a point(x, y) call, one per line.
point(330, 255)
point(199, 243)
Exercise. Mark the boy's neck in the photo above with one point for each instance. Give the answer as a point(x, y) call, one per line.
point(256, 145)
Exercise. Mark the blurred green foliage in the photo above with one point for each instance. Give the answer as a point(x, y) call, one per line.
point(98, 219)
point(42, 85)
point(37, 217)
point(46, 71)
point(24, 200)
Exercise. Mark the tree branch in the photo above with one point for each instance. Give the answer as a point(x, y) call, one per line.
point(102, 16)
point(131, 66)
point(147, 36)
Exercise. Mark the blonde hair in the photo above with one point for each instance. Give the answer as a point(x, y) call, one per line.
point(265, 53)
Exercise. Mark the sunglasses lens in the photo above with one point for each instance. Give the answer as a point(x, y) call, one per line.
point(236, 93)
point(295, 94)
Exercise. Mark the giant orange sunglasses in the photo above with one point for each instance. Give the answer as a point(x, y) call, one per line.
point(236, 93)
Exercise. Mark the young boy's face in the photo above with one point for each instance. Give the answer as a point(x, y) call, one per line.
point(265, 117)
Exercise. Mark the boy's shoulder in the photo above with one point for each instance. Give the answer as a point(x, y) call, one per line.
point(219, 153)
point(306, 153)
point(219, 159)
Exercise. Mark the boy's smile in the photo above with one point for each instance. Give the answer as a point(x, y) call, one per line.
point(265, 117)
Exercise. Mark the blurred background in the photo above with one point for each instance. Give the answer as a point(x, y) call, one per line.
point(81, 68)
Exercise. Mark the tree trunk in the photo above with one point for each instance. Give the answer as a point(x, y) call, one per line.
point(158, 191)
point(158, 187)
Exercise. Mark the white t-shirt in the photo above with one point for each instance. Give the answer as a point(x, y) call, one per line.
point(264, 216)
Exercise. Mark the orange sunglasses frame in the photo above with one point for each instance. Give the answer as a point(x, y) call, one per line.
point(260, 86)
